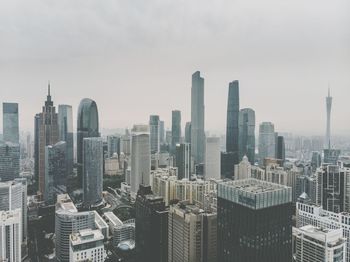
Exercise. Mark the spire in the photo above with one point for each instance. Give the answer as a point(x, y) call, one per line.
point(48, 89)
point(329, 89)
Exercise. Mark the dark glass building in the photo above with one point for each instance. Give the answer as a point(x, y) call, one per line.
point(247, 134)
point(227, 165)
point(36, 150)
point(151, 226)
point(280, 149)
point(175, 129)
point(10, 122)
point(87, 126)
point(232, 129)
point(188, 132)
point(254, 221)
point(183, 160)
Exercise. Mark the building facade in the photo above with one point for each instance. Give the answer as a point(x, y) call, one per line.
point(175, 129)
point(10, 122)
point(247, 134)
point(212, 166)
point(183, 160)
point(267, 141)
point(9, 161)
point(154, 127)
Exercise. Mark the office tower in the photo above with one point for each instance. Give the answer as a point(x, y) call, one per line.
point(87, 245)
point(29, 147)
point(87, 127)
point(36, 149)
point(151, 226)
point(183, 160)
point(315, 160)
point(188, 132)
point(126, 143)
point(254, 221)
point(65, 124)
point(92, 171)
point(48, 135)
point(243, 170)
point(10, 122)
point(232, 128)
point(227, 165)
point(113, 145)
point(67, 221)
point(212, 167)
point(313, 244)
point(154, 133)
point(280, 149)
point(161, 132)
point(55, 171)
point(328, 129)
point(197, 118)
point(9, 161)
point(247, 134)
point(307, 214)
point(192, 234)
point(140, 157)
point(168, 138)
point(13, 195)
point(266, 141)
point(10, 235)
point(331, 156)
point(175, 129)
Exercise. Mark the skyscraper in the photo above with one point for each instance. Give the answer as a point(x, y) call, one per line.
point(161, 132)
point(280, 149)
point(9, 161)
point(113, 145)
point(188, 132)
point(55, 171)
point(87, 126)
point(48, 135)
point(328, 130)
point(197, 118)
point(267, 141)
point(247, 134)
point(212, 167)
point(151, 226)
point(65, 124)
point(232, 129)
point(140, 157)
point(175, 129)
point(183, 160)
point(36, 150)
point(154, 133)
point(92, 170)
point(10, 122)
point(254, 221)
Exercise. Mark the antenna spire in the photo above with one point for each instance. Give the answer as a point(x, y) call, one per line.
point(48, 88)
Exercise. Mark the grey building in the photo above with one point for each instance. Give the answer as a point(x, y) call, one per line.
point(267, 141)
point(197, 118)
point(161, 132)
point(154, 127)
point(10, 122)
point(9, 161)
point(113, 145)
point(247, 134)
point(183, 160)
point(55, 171)
point(188, 132)
point(36, 149)
point(175, 129)
point(87, 126)
point(65, 125)
point(92, 171)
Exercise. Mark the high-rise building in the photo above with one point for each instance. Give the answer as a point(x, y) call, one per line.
point(10, 122)
point(67, 221)
point(314, 244)
point(331, 156)
point(197, 118)
point(36, 149)
point(10, 235)
point(244, 169)
point(254, 221)
point(232, 127)
point(87, 126)
point(328, 128)
point(87, 245)
point(247, 134)
point(175, 129)
point(154, 133)
point(161, 132)
point(9, 161)
point(227, 165)
point(113, 145)
point(316, 160)
point(92, 170)
point(65, 124)
point(188, 132)
point(192, 234)
point(183, 160)
point(126, 143)
point(212, 166)
point(280, 149)
point(48, 135)
point(151, 226)
point(140, 157)
point(55, 171)
point(267, 141)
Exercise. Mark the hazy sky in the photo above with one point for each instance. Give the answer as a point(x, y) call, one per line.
point(136, 57)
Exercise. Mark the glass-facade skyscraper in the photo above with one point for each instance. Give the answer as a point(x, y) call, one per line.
point(9, 161)
point(10, 122)
point(232, 129)
point(247, 134)
point(154, 126)
point(175, 129)
point(87, 126)
point(267, 141)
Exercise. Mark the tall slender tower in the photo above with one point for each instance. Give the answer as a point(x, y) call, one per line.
point(329, 109)
point(197, 118)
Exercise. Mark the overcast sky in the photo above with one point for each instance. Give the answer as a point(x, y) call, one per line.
point(136, 57)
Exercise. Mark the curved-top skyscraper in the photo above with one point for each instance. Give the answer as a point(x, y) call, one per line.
point(87, 126)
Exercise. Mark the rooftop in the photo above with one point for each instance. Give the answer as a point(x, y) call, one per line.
point(86, 236)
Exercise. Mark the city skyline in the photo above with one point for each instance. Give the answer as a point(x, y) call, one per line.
point(271, 55)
